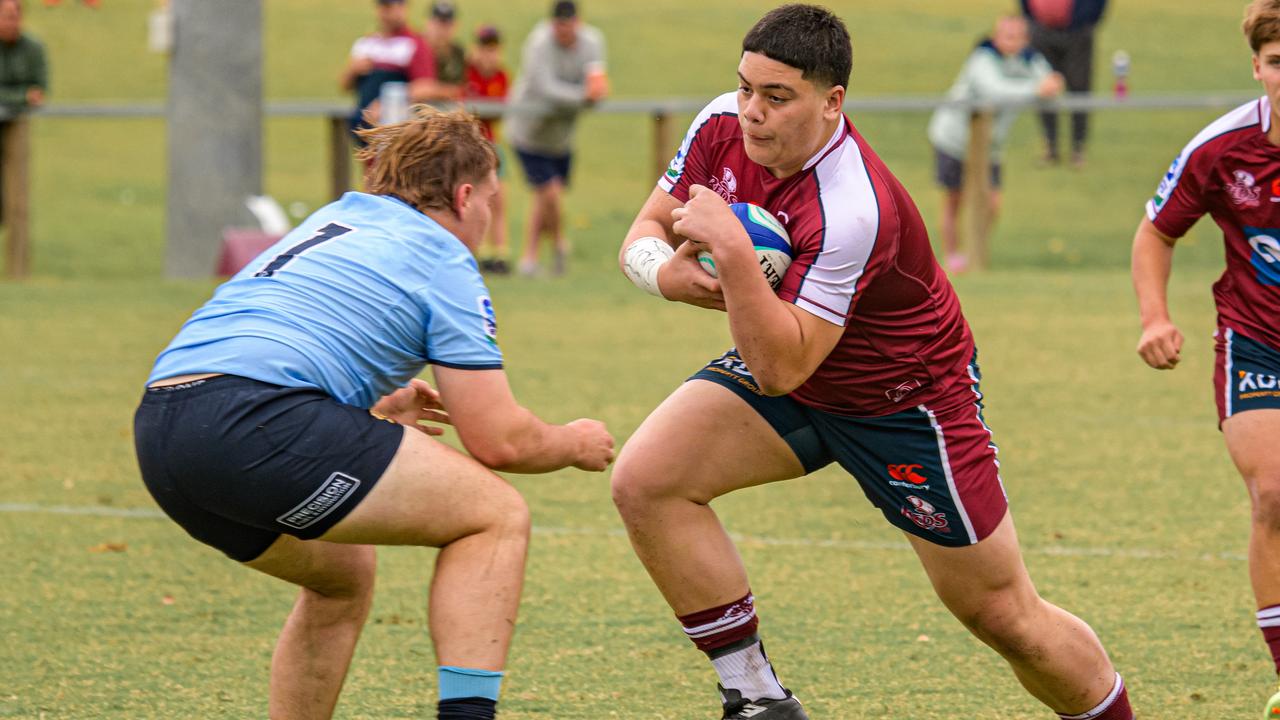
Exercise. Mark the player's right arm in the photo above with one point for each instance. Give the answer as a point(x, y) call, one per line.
point(674, 276)
point(1178, 203)
point(503, 435)
point(1161, 343)
point(646, 256)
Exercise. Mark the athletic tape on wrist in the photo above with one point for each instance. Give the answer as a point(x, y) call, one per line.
point(641, 262)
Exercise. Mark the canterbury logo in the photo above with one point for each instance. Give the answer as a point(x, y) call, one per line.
point(750, 711)
point(907, 473)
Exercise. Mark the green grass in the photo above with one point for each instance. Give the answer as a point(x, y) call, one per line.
point(1129, 510)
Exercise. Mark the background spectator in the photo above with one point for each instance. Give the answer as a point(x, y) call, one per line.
point(1062, 30)
point(24, 74)
point(1003, 68)
point(392, 54)
point(451, 59)
point(487, 80)
point(562, 71)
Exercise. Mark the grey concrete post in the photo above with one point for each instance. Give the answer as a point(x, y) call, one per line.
point(214, 127)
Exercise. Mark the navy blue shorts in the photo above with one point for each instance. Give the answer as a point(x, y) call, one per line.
point(237, 462)
point(931, 470)
point(541, 169)
point(949, 171)
point(1246, 375)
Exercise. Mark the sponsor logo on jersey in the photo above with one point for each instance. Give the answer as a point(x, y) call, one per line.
point(330, 495)
point(924, 515)
point(1275, 190)
point(1266, 254)
point(676, 168)
point(485, 305)
point(1167, 183)
point(900, 392)
point(726, 186)
point(1244, 190)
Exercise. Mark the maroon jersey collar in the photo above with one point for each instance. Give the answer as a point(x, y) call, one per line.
point(836, 139)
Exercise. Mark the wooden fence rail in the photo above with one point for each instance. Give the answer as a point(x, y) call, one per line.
point(14, 141)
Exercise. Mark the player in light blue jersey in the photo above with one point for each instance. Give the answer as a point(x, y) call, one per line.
point(283, 424)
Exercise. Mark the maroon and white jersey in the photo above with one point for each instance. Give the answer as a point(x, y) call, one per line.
point(402, 51)
point(862, 260)
point(1232, 172)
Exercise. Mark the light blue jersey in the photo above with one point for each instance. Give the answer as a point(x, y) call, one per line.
point(355, 302)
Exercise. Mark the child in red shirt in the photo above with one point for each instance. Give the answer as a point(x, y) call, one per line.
point(487, 81)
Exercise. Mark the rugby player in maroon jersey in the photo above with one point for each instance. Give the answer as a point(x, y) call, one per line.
point(862, 357)
point(1231, 172)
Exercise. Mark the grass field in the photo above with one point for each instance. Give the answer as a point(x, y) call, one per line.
point(1127, 505)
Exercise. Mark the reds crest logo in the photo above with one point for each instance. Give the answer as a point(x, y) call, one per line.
point(1244, 191)
point(926, 516)
point(726, 186)
point(902, 390)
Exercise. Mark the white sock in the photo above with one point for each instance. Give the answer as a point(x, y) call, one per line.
point(748, 671)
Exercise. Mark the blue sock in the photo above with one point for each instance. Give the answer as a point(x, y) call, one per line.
point(468, 694)
point(456, 683)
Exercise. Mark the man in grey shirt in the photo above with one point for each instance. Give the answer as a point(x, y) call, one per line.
point(562, 71)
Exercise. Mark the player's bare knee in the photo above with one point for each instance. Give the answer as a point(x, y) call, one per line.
point(352, 580)
point(1266, 500)
point(508, 515)
point(1014, 634)
point(636, 484)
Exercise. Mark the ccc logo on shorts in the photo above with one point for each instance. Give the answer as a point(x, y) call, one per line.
point(907, 473)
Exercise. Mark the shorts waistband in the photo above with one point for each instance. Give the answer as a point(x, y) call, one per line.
point(203, 386)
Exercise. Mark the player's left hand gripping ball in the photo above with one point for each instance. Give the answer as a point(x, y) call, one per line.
point(771, 241)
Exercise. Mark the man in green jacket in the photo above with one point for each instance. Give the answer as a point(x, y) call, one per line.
point(1002, 69)
point(24, 75)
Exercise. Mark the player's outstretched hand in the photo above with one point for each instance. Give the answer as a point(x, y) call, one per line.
point(412, 404)
point(682, 279)
point(1161, 345)
point(595, 444)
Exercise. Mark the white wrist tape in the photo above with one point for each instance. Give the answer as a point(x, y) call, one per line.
point(642, 260)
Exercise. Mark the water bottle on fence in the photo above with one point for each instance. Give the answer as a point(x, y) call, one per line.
point(394, 98)
point(1120, 69)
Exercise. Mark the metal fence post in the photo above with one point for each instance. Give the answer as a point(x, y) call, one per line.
point(976, 188)
point(16, 188)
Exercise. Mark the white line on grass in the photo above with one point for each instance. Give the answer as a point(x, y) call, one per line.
point(1054, 550)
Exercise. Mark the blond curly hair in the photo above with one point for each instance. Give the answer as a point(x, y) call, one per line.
point(424, 159)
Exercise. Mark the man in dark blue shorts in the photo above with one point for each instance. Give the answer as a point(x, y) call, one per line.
point(280, 425)
point(561, 72)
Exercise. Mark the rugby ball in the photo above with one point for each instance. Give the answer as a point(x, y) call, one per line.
point(772, 243)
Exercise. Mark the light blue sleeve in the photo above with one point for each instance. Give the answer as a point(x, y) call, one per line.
point(462, 329)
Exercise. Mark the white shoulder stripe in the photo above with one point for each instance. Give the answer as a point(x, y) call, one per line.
point(726, 104)
point(1244, 116)
point(852, 223)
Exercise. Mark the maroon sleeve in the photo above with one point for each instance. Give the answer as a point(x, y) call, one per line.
point(1181, 198)
point(423, 64)
point(691, 160)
